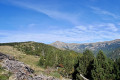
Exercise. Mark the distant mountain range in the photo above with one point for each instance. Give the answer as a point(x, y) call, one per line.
point(110, 48)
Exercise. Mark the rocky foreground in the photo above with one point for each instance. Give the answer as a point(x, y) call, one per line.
point(20, 70)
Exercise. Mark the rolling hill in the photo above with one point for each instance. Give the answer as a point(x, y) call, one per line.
point(42, 58)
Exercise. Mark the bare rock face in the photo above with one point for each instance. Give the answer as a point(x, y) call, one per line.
point(20, 70)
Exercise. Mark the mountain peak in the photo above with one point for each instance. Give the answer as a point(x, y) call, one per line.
point(106, 46)
point(59, 44)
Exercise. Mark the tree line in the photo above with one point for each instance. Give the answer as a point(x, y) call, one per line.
point(96, 68)
point(71, 64)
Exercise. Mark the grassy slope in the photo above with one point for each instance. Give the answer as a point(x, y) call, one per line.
point(22, 57)
point(30, 60)
point(29, 52)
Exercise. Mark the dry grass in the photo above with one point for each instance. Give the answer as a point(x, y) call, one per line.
point(30, 60)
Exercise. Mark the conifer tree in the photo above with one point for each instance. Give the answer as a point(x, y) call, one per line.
point(102, 68)
point(85, 64)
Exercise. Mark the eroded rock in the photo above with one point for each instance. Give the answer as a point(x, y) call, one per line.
point(20, 70)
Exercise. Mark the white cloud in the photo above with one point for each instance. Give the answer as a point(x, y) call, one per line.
point(104, 12)
point(31, 25)
point(109, 26)
point(53, 13)
point(83, 28)
point(91, 33)
point(112, 27)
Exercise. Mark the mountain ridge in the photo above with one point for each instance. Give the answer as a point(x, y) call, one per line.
point(107, 46)
point(86, 43)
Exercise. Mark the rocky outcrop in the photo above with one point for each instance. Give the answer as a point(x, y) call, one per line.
point(4, 56)
point(20, 70)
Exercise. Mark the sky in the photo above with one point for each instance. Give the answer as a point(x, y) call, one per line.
point(71, 21)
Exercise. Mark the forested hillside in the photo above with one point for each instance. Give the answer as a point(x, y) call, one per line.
point(96, 68)
point(71, 64)
point(49, 56)
point(115, 54)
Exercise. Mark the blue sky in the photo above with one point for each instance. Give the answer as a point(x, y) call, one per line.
point(47, 21)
